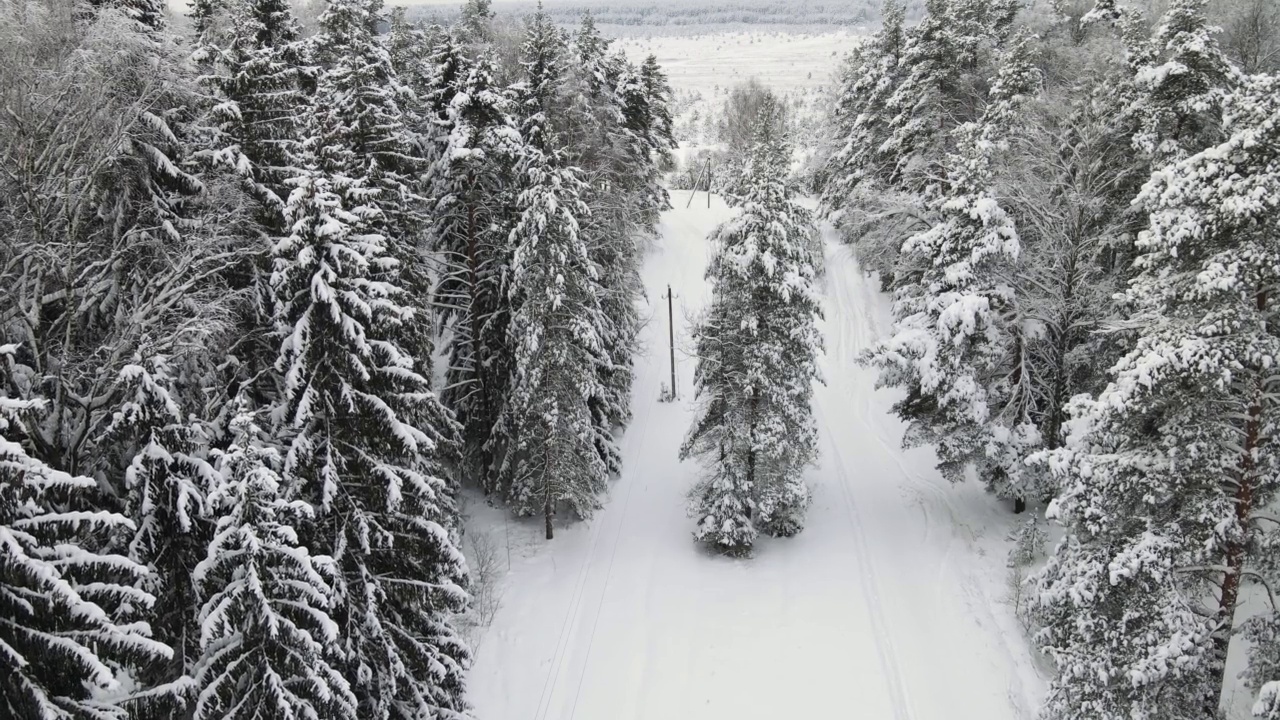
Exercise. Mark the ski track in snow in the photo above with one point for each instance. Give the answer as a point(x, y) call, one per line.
point(889, 605)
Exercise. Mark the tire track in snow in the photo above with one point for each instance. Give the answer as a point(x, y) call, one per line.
point(645, 381)
point(856, 333)
point(870, 588)
point(865, 330)
point(613, 555)
point(566, 628)
point(575, 604)
point(865, 334)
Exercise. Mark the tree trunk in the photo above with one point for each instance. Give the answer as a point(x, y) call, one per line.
point(474, 316)
point(1236, 547)
point(751, 453)
point(547, 504)
point(1019, 505)
point(546, 511)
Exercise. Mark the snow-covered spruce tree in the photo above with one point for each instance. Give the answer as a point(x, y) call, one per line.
point(750, 112)
point(952, 336)
point(445, 66)
point(857, 197)
point(165, 483)
point(1167, 472)
point(625, 200)
point(572, 91)
point(149, 15)
point(70, 635)
point(652, 117)
point(542, 57)
point(360, 131)
point(547, 430)
point(255, 68)
point(358, 95)
point(902, 96)
point(369, 443)
point(723, 502)
point(757, 361)
point(867, 77)
point(470, 227)
point(644, 97)
point(410, 48)
point(1268, 705)
point(268, 642)
point(369, 439)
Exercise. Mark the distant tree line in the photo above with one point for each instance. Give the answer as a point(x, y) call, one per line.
point(677, 13)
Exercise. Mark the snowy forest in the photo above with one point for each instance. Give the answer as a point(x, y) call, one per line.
point(228, 466)
point(356, 366)
point(1078, 217)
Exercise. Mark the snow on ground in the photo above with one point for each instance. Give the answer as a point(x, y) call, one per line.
point(892, 604)
point(781, 60)
point(703, 68)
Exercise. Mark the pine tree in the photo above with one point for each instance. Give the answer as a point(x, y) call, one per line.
point(470, 226)
point(1179, 74)
point(952, 327)
point(70, 635)
point(267, 638)
point(548, 431)
point(369, 441)
point(476, 23)
point(942, 59)
point(757, 360)
point(1165, 470)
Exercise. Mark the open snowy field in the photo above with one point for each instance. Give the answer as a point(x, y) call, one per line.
point(892, 604)
point(703, 68)
point(781, 60)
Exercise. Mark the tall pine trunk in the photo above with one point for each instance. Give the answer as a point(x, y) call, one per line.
point(1237, 546)
point(751, 451)
point(547, 505)
point(477, 362)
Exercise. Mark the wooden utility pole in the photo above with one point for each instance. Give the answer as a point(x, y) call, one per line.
point(708, 183)
point(693, 191)
point(671, 340)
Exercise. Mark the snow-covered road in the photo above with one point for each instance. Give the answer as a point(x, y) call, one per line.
point(890, 605)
